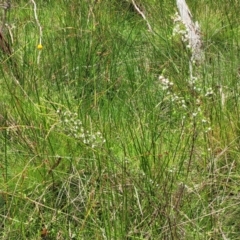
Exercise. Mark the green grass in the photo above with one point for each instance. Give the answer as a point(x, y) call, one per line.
point(93, 146)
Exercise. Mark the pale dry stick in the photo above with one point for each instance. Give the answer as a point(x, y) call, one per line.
point(142, 14)
point(138, 202)
point(223, 235)
point(40, 29)
point(194, 34)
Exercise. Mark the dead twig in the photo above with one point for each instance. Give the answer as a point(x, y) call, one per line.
point(142, 15)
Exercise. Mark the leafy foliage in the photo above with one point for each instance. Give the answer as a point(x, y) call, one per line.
point(104, 132)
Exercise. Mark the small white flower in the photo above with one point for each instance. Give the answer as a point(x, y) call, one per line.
point(163, 80)
point(82, 135)
point(209, 93)
point(208, 130)
point(198, 102)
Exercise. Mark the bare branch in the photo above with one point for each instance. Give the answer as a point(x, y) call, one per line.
point(194, 35)
point(142, 14)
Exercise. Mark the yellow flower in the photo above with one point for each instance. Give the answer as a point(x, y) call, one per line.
point(39, 46)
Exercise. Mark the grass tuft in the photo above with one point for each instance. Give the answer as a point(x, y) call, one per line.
point(104, 132)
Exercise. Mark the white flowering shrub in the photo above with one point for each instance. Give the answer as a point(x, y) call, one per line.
point(180, 30)
point(170, 95)
point(186, 105)
point(73, 127)
point(165, 83)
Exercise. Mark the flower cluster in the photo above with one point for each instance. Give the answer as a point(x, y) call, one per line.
point(166, 84)
point(209, 92)
point(186, 105)
point(73, 127)
point(180, 29)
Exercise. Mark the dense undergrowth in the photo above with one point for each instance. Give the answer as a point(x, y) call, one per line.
point(104, 135)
